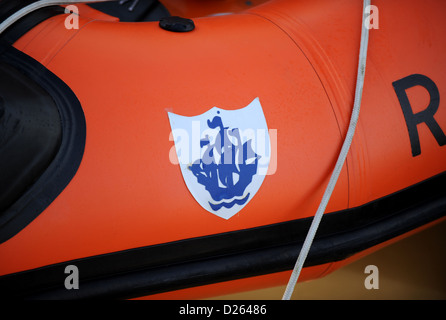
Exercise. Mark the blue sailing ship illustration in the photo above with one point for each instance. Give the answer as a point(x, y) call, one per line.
point(225, 168)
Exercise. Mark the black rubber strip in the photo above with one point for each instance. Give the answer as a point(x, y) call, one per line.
point(237, 254)
point(142, 10)
point(23, 25)
point(69, 155)
point(30, 133)
point(9, 7)
point(26, 23)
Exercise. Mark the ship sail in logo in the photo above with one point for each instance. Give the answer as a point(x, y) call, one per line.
point(223, 156)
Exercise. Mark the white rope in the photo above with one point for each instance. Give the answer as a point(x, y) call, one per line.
point(339, 163)
point(35, 6)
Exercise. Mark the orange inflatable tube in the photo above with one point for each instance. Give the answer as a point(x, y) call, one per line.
point(174, 157)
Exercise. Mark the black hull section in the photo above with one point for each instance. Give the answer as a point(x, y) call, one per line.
point(235, 255)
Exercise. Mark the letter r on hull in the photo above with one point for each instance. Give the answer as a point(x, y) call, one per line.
point(426, 116)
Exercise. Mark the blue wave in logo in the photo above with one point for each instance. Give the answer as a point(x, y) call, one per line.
point(228, 177)
point(218, 206)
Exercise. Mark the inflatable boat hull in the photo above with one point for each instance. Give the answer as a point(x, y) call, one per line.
point(112, 196)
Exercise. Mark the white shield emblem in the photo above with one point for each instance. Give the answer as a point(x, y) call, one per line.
point(223, 156)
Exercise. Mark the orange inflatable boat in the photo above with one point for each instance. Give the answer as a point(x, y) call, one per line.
point(179, 149)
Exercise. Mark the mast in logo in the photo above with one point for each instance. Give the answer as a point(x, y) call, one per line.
point(223, 156)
